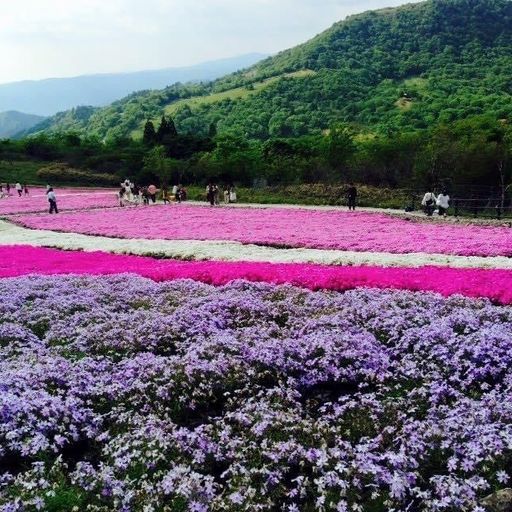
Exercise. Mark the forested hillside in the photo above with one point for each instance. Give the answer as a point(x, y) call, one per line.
point(406, 68)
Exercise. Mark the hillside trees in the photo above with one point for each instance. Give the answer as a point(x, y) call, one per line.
point(149, 136)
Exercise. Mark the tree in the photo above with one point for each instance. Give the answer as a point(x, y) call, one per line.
point(504, 154)
point(341, 146)
point(212, 131)
point(163, 130)
point(166, 130)
point(149, 137)
point(233, 159)
point(171, 128)
point(157, 164)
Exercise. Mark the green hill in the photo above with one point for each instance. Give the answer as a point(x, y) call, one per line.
point(405, 68)
point(13, 122)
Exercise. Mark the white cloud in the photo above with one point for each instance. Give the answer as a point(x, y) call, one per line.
point(42, 38)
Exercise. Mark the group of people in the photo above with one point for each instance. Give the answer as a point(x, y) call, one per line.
point(178, 194)
point(131, 193)
point(430, 202)
point(213, 195)
point(20, 190)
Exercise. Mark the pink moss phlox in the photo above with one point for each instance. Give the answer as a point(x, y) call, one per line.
point(67, 199)
point(493, 284)
point(322, 229)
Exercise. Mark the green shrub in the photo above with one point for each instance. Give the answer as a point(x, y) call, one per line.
point(62, 173)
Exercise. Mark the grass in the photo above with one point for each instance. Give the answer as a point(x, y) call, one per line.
point(233, 94)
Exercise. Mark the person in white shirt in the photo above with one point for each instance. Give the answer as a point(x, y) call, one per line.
point(232, 194)
point(443, 203)
point(52, 199)
point(429, 203)
point(19, 189)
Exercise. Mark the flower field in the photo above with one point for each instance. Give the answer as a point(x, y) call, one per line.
point(67, 198)
point(183, 358)
point(281, 227)
point(478, 283)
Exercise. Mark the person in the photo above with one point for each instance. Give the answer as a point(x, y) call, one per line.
point(429, 202)
point(128, 193)
point(183, 193)
point(25, 189)
point(174, 192)
point(180, 194)
point(443, 203)
point(152, 190)
point(210, 194)
point(52, 199)
point(121, 194)
point(137, 196)
point(232, 194)
point(165, 194)
point(216, 194)
point(8, 188)
point(145, 195)
point(352, 197)
point(226, 195)
point(19, 188)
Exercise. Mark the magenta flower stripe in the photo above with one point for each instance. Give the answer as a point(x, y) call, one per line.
point(322, 229)
point(493, 284)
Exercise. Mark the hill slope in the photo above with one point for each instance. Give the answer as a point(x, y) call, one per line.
point(395, 69)
point(46, 97)
point(13, 122)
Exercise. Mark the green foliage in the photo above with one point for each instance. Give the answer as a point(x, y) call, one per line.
point(24, 171)
point(149, 136)
point(62, 173)
point(394, 70)
point(317, 194)
point(166, 130)
point(158, 165)
point(476, 151)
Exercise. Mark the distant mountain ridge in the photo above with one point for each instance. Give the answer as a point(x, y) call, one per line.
point(13, 122)
point(52, 95)
point(388, 71)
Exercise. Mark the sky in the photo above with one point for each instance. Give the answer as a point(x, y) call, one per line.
point(58, 38)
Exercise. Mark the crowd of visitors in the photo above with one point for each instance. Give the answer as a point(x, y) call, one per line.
point(133, 194)
point(20, 190)
point(213, 194)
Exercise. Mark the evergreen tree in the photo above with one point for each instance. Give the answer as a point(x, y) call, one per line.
point(172, 131)
point(149, 137)
point(212, 132)
point(166, 130)
point(162, 129)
